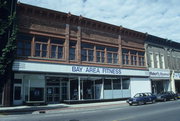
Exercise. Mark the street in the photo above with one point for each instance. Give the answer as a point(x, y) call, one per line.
point(160, 111)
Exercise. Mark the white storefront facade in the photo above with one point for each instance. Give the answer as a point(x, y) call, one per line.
point(160, 80)
point(37, 82)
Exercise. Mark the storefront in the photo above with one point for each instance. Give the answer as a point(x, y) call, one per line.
point(177, 82)
point(54, 83)
point(160, 80)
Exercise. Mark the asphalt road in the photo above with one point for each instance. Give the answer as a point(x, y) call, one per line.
point(163, 111)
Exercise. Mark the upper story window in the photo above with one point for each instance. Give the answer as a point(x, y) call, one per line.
point(41, 44)
point(125, 56)
point(24, 44)
point(112, 55)
point(162, 64)
point(151, 57)
point(141, 59)
point(87, 52)
point(100, 54)
point(57, 48)
point(157, 60)
point(72, 50)
point(133, 57)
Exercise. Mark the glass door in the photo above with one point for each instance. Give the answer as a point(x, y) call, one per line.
point(64, 90)
point(17, 94)
point(53, 94)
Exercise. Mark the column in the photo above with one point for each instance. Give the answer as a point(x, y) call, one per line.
point(172, 81)
point(120, 51)
point(106, 59)
point(78, 52)
point(33, 47)
point(67, 43)
point(79, 88)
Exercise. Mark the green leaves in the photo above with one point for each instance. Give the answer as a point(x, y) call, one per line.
point(8, 31)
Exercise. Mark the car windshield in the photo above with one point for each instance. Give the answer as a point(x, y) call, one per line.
point(139, 95)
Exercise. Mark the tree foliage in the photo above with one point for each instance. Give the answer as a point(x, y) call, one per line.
point(8, 31)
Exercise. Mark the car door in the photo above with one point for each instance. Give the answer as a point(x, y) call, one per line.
point(145, 98)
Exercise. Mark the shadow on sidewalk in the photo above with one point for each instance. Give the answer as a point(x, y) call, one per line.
point(29, 110)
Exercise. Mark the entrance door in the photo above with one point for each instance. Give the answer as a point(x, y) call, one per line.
point(17, 94)
point(64, 90)
point(53, 94)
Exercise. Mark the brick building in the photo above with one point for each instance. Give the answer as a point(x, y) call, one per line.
point(66, 58)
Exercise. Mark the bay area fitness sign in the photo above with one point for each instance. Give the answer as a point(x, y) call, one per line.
point(96, 70)
point(28, 66)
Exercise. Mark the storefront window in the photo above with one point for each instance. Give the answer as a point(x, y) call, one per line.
point(116, 84)
point(87, 88)
point(125, 83)
point(107, 84)
point(98, 87)
point(36, 94)
point(33, 89)
point(73, 88)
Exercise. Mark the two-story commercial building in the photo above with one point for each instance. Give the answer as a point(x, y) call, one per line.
point(163, 62)
point(66, 58)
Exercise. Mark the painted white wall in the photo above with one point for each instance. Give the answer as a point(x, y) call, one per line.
point(139, 85)
point(117, 94)
point(108, 94)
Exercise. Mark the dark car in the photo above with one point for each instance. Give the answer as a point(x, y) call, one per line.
point(142, 98)
point(178, 95)
point(152, 97)
point(164, 96)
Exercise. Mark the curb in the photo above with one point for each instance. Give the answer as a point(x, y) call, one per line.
point(77, 108)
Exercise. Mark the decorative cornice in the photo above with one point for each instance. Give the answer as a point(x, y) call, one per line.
point(77, 20)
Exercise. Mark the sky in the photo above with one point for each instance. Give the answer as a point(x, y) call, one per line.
point(156, 17)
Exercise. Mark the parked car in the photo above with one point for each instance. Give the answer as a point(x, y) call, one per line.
point(178, 95)
point(164, 96)
point(152, 97)
point(142, 98)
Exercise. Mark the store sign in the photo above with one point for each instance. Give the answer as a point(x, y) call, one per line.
point(75, 69)
point(176, 75)
point(96, 70)
point(159, 74)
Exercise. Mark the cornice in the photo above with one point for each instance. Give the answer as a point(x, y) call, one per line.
point(71, 19)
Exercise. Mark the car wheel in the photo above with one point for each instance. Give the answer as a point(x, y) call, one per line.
point(130, 104)
point(153, 101)
point(164, 99)
point(175, 98)
point(139, 103)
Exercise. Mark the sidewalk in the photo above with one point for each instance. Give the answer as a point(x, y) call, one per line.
point(51, 108)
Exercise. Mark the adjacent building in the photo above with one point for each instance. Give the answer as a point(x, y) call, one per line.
point(163, 59)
